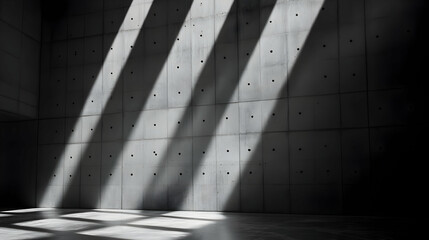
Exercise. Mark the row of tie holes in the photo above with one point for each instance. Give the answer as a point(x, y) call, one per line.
point(273, 114)
point(250, 172)
point(179, 122)
point(247, 54)
point(202, 90)
point(132, 174)
point(132, 155)
point(111, 127)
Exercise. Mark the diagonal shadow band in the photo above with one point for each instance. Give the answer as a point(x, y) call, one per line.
point(227, 85)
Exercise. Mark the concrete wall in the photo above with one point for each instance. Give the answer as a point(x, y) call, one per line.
point(255, 106)
point(19, 58)
point(20, 41)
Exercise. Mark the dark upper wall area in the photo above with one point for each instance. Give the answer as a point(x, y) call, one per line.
point(20, 33)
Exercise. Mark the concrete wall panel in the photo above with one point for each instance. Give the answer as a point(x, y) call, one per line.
point(180, 154)
point(227, 119)
point(356, 156)
point(275, 154)
point(249, 61)
point(53, 131)
point(204, 151)
point(250, 117)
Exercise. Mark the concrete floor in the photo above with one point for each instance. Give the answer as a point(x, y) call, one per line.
point(44, 223)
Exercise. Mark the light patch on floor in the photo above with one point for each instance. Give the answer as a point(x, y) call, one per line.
point(28, 210)
point(15, 234)
point(134, 233)
point(55, 224)
point(196, 215)
point(101, 216)
point(175, 223)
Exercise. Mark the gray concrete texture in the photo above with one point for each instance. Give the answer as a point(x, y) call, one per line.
point(236, 105)
point(20, 41)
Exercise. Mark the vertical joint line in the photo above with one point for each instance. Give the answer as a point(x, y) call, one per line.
point(368, 107)
point(339, 95)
